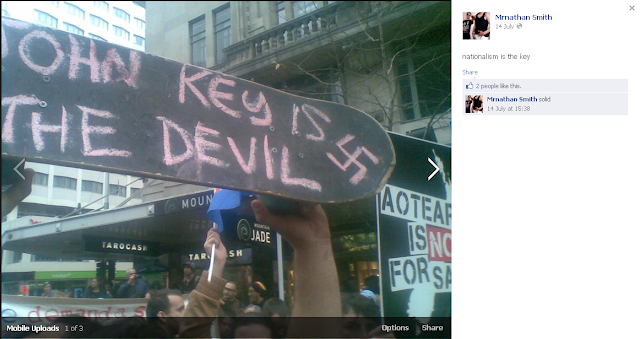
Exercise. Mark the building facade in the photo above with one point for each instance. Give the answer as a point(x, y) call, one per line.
point(62, 191)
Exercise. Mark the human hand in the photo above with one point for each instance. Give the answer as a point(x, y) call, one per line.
point(305, 231)
point(220, 255)
point(132, 279)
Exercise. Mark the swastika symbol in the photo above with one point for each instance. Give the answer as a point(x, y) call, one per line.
point(353, 159)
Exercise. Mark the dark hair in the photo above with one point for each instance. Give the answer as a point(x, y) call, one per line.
point(350, 285)
point(275, 306)
point(372, 284)
point(250, 319)
point(360, 305)
point(159, 301)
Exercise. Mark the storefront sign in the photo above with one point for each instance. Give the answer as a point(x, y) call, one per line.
point(256, 233)
point(184, 203)
point(96, 244)
point(414, 231)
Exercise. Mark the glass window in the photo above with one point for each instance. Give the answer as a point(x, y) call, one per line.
point(91, 186)
point(74, 10)
point(121, 14)
point(73, 29)
point(46, 19)
point(222, 23)
point(101, 5)
point(99, 22)
point(64, 182)
point(134, 191)
point(55, 4)
point(301, 8)
point(282, 17)
point(121, 32)
point(118, 190)
point(97, 37)
point(197, 31)
point(139, 40)
point(140, 23)
point(41, 179)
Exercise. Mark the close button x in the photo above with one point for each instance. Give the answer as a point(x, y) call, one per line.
point(632, 8)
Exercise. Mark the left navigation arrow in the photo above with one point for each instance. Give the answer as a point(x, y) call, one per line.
point(17, 171)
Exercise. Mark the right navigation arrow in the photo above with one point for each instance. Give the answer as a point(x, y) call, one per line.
point(434, 172)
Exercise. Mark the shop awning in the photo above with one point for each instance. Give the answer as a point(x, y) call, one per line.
point(148, 229)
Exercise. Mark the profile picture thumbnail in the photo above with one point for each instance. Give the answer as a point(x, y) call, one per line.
point(476, 26)
point(473, 104)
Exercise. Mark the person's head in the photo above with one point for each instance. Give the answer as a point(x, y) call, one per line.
point(257, 292)
point(349, 285)
point(372, 283)
point(359, 314)
point(275, 307)
point(189, 269)
point(469, 16)
point(94, 283)
point(251, 308)
point(252, 325)
point(131, 273)
point(230, 291)
point(164, 307)
point(227, 326)
point(47, 287)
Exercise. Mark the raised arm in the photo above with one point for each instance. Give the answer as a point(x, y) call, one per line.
point(317, 290)
point(204, 301)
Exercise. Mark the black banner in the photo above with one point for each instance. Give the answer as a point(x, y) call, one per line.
point(69, 100)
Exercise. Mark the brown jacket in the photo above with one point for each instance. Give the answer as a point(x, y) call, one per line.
point(204, 303)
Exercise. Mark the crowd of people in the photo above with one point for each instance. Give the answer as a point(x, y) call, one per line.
point(317, 295)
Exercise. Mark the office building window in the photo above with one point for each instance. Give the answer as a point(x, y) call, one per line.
point(197, 32)
point(282, 16)
point(64, 182)
point(139, 40)
point(140, 23)
point(91, 186)
point(134, 191)
point(118, 190)
point(73, 29)
point(74, 10)
point(99, 22)
point(121, 14)
point(55, 4)
point(46, 19)
point(41, 179)
point(301, 8)
point(97, 37)
point(222, 24)
point(121, 32)
point(101, 5)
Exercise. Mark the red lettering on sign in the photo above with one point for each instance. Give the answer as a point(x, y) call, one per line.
point(353, 159)
point(189, 82)
point(105, 130)
point(37, 129)
point(75, 60)
point(214, 94)
point(13, 102)
point(439, 244)
point(25, 52)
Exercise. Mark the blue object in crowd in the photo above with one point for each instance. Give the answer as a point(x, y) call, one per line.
point(224, 200)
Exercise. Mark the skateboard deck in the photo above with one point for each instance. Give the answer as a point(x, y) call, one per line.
point(72, 101)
